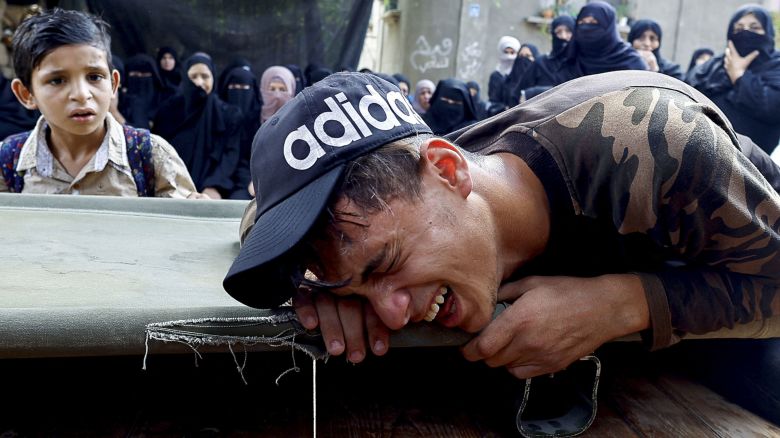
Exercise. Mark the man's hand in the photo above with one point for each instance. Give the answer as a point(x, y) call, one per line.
point(212, 193)
point(345, 323)
point(736, 65)
point(556, 320)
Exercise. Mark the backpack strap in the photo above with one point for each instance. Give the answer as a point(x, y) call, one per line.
point(139, 156)
point(10, 149)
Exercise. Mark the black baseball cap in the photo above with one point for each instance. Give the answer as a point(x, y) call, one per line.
point(298, 158)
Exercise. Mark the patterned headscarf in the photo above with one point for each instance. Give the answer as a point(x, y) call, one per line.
point(273, 100)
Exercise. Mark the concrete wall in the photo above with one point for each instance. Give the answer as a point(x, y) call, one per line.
point(445, 38)
point(436, 39)
point(430, 32)
point(372, 45)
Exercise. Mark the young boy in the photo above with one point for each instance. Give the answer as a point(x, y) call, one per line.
point(62, 61)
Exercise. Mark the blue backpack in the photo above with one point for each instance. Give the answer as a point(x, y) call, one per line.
point(139, 156)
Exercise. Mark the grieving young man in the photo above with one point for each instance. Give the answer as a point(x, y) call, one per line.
point(612, 204)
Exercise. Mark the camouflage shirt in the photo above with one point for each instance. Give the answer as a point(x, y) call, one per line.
point(645, 175)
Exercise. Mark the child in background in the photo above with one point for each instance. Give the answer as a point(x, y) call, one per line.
point(62, 61)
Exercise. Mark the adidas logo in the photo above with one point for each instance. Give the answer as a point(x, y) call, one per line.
point(355, 123)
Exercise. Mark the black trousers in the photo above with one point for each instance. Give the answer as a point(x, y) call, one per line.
point(744, 371)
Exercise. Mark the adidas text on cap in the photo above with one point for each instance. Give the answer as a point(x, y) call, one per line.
point(298, 158)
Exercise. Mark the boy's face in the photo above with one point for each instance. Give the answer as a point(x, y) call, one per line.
point(72, 87)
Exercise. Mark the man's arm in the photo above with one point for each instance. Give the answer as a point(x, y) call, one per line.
point(707, 211)
point(554, 321)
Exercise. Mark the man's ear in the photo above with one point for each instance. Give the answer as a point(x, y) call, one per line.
point(448, 163)
point(115, 80)
point(23, 94)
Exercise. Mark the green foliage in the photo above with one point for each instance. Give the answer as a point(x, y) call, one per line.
point(776, 22)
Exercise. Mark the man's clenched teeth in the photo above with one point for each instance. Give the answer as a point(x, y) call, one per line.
point(435, 306)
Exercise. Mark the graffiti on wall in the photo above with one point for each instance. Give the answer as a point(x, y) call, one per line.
point(470, 61)
point(426, 57)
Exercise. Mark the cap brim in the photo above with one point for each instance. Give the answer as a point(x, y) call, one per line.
point(257, 278)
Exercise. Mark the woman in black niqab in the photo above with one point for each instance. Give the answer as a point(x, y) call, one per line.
point(647, 35)
point(744, 82)
point(480, 106)
point(203, 129)
point(171, 78)
point(451, 108)
point(240, 89)
point(140, 102)
point(523, 64)
point(704, 54)
point(596, 46)
point(544, 73)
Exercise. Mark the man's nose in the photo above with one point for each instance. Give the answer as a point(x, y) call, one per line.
point(392, 306)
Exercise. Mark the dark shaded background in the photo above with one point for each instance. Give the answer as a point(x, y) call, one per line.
point(265, 32)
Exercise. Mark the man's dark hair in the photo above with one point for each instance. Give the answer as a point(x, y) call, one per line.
point(370, 182)
point(39, 35)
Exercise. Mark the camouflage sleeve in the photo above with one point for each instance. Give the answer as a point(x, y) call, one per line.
point(676, 174)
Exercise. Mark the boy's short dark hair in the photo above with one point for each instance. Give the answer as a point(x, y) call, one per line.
point(39, 35)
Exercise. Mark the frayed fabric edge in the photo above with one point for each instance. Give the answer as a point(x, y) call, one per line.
point(194, 334)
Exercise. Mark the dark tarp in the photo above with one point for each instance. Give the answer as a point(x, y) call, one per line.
point(266, 32)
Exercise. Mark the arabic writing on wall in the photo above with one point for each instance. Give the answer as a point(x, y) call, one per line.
point(470, 61)
point(425, 57)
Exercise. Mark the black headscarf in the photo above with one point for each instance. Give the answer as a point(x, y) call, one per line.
point(401, 78)
point(751, 104)
point(14, 118)
point(558, 44)
point(598, 48)
point(444, 117)
point(546, 71)
point(236, 62)
point(170, 79)
point(480, 105)
point(249, 102)
point(142, 97)
point(308, 70)
point(696, 54)
point(520, 68)
point(300, 80)
point(534, 50)
point(664, 65)
point(746, 42)
point(204, 131)
point(318, 74)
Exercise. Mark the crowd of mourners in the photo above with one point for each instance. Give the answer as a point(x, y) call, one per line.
point(743, 81)
point(210, 119)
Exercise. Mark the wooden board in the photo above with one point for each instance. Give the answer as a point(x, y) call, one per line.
point(409, 393)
